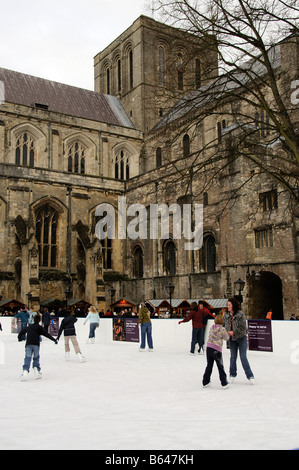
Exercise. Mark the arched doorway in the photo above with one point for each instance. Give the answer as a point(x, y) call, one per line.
point(265, 293)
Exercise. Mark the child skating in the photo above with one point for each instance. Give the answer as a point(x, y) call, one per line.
point(217, 334)
point(68, 327)
point(32, 347)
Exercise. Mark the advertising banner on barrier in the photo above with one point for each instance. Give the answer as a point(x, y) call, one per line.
point(260, 335)
point(126, 329)
point(54, 326)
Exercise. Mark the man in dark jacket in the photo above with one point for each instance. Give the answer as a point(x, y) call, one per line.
point(196, 315)
point(34, 332)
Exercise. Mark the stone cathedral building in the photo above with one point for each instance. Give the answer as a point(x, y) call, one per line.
point(64, 151)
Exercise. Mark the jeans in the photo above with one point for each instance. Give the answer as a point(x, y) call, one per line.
point(146, 331)
point(24, 325)
point(241, 345)
point(196, 338)
point(214, 356)
point(31, 350)
point(92, 329)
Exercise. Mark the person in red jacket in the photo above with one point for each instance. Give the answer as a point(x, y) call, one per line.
point(196, 315)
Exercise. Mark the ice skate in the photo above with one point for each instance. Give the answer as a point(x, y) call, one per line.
point(251, 380)
point(81, 358)
point(24, 376)
point(67, 356)
point(37, 373)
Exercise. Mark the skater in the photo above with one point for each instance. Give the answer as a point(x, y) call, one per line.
point(94, 319)
point(144, 321)
point(217, 334)
point(23, 315)
point(235, 325)
point(32, 347)
point(68, 327)
point(196, 315)
point(46, 319)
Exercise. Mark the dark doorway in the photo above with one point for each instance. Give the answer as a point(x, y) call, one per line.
point(265, 293)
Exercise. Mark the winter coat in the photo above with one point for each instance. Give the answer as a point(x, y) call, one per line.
point(67, 326)
point(93, 318)
point(23, 315)
point(34, 332)
point(216, 336)
point(144, 315)
point(236, 323)
point(197, 316)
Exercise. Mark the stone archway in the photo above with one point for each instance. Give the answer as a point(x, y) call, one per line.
point(265, 293)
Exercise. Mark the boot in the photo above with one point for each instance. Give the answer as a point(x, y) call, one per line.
point(81, 358)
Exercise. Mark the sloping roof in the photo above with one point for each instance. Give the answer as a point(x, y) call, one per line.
point(23, 89)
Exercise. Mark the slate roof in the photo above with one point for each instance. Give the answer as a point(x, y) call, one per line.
point(23, 89)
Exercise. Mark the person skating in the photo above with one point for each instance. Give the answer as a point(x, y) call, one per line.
point(214, 352)
point(32, 347)
point(68, 327)
point(94, 319)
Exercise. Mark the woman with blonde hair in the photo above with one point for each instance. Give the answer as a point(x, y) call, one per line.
point(94, 319)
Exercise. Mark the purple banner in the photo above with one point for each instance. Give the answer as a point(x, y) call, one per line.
point(260, 335)
point(126, 329)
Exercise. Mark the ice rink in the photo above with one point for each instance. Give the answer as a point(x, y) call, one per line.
point(123, 399)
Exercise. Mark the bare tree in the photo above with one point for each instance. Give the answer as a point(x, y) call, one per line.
point(252, 96)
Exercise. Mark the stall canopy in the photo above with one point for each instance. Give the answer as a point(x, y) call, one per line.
point(11, 304)
point(185, 303)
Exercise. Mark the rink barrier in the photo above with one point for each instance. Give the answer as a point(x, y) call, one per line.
point(167, 332)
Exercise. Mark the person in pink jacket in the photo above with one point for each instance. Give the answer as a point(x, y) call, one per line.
point(217, 334)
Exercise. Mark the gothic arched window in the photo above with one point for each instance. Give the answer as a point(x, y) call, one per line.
point(46, 235)
point(76, 158)
point(186, 145)
point(161, 66)
point(138, 262)
point(180, 70)
point(169, 258)
point(158, 157)
point(25, 150)
point(122, 166)
point(208, 259)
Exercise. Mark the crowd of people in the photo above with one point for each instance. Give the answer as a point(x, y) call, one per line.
point(230, 325)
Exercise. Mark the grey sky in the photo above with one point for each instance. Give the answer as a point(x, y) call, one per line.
point(58, 40)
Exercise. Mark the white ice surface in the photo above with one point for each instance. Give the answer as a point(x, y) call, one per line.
point(123, 399)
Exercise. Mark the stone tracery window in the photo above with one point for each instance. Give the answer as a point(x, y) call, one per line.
point(76, 158)
point(25, 150)
point(122, 166)
point(46, 235)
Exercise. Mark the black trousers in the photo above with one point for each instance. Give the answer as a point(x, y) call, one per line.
point(214, 356)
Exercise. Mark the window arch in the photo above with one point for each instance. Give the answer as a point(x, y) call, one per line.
point(46, 235)
point(76, 158)
point(131, 75)
point(122, 165)
point(186, 145)
point(208, 259)
point(138, 262)
point(180, 70)
point(161, 65)
point(158, 157)
point(25, 150)
point(169, 257)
